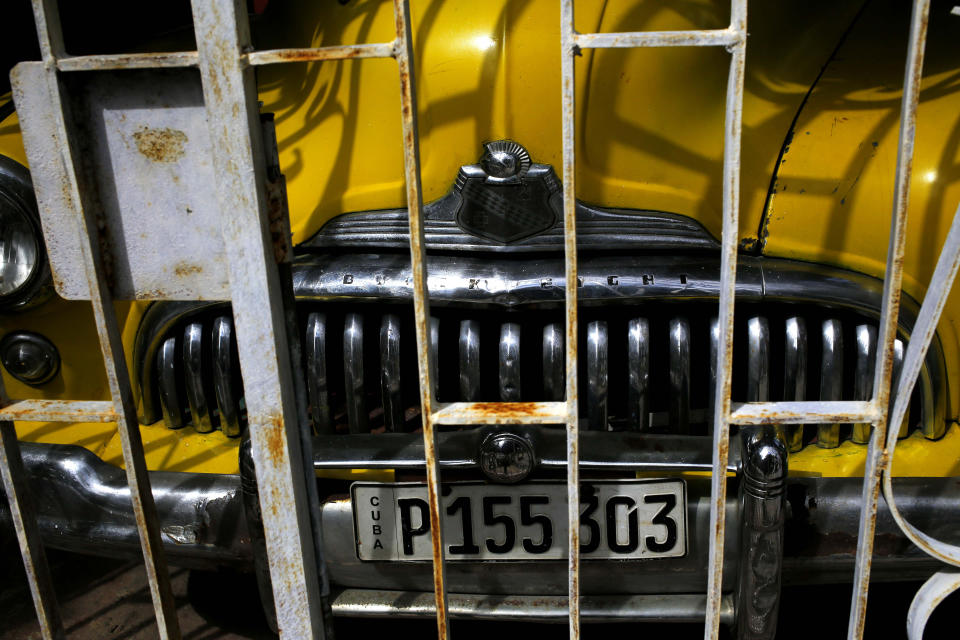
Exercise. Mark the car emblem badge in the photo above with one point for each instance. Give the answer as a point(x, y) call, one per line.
point(506, 458)
point(505, 197)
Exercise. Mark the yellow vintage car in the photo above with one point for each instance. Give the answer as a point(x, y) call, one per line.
point(822, 99)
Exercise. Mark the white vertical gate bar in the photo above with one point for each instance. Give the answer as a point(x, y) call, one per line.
point(728, 275)
point(111, 345)
point(923, 333)
point(890, 312)
point(28, 532)
point(230, 95)
point(421, 300)
point(568, 52)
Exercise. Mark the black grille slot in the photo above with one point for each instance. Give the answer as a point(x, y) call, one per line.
point(646, 367)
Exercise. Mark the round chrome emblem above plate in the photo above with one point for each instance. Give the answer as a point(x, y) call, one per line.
point(506, 458)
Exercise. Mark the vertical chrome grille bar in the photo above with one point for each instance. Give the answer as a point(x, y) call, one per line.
point(553, 369)
point(390, 372)
point(795, 374)
point(597, 385)
point(167, 357)
point(758, 360)
point(193, 376)
point(316, 356)
point(728, 274)
point(904, 430)
point(638, 360)
point(831, 378)
point(509, 377)
point(47, 21)
point(403, 51)
point(863, 376)
point(223, 367)
point(679, 340)
point(880, 439)
point(470, 360)
point(435, 355)
point(568, 54)
point(357, 417)
point(714, 347)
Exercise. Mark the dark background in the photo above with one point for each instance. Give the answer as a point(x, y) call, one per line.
point(107, 599)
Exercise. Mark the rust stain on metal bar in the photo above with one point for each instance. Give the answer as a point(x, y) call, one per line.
point(803, 412)
point(501, 413)
point(728, 272)
point(877, 458)
point(28, 533)
point(346, 52)
point(568, 53)
point(258, 292)
point(59, 411)
point(701, 38)
point(421, 302)
point(111, 345)
point(114, 62)
point(160, 145)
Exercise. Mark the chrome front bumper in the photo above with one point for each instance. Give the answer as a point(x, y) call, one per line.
point(84, 506)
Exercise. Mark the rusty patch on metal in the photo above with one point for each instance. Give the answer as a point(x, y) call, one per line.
point(274, 438)
point(161, 145)
point(507, 409)
point(183, 269)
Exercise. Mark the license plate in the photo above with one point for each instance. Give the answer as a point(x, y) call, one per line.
point(626, 519)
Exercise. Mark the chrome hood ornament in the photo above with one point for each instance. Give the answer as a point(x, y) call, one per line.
point(505, 197)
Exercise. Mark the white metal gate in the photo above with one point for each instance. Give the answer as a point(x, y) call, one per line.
point(254, 266)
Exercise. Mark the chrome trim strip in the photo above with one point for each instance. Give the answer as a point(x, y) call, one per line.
point(223, 372)
point(863, 376)
point(369, 603)
point(509, 377)
point(758, 360)
point(390, 372)
point(933, 405)
point(434, 351)
point(193, 377)
point(597, 228)
point(638, 365)
point(712, 391)
point(895, 381)
point(680, 375)
point(469, 360)
point(167, 377)
point(831, 378)
point(597, 382)
point(357, 417)
point(316, 356)
point(614, 451)
point(795, 374)
point(554, 354)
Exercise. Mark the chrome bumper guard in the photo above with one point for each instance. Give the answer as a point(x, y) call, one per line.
point(83, 505)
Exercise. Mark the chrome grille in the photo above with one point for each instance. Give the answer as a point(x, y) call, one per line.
point(648, 367)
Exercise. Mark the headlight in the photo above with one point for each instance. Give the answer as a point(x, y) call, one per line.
point(23, 263)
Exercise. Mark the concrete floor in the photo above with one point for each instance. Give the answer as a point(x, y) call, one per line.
point(107, 600)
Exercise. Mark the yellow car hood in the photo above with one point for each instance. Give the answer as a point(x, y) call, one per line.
point(649, 122)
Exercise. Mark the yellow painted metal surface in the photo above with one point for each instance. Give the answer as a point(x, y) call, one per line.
point(649, 136)
point(649, 125)
point(834, 189)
